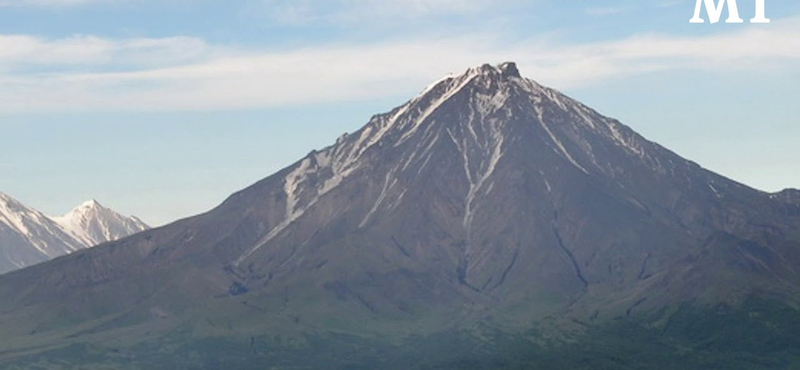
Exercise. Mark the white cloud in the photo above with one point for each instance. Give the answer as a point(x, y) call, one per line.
point(188, 74)
point(21, 49)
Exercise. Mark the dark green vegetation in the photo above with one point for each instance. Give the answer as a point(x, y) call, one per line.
point(760, 334)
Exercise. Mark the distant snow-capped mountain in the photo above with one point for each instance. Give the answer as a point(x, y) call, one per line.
point(92, 224)
point(28, 237)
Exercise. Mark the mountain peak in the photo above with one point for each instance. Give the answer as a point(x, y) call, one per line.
point(89, 204)
point(92, 223)
point(509, 69)
point(478, 121)
point(28, 236)
point(503, 70)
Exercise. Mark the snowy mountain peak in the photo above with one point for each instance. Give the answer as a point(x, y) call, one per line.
point(483, 96)
point(92, 224)
point(8, 202)
point(479, 121)
point(90, 204)
point(28, 236)
point(478, 117)
point(506, 70)
point(498, 175)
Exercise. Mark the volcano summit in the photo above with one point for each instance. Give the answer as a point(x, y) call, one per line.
point(489, 222)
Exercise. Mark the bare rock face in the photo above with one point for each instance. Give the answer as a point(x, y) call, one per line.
point(487, 198)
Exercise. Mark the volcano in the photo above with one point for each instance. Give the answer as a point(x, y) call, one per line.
point(489, 222)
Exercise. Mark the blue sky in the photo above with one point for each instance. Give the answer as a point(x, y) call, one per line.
point(163, 108)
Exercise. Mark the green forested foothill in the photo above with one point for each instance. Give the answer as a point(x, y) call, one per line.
point(758, 335)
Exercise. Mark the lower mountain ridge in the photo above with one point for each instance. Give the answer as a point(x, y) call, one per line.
point(488, 223)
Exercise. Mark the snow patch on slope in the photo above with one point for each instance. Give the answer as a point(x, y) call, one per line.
point(556, 141)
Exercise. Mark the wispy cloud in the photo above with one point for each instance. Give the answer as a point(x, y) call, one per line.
point(605, 11)
point(48, 3)
point(669, 3)
point(23, 51)
point(189, 74)
point(302, 12)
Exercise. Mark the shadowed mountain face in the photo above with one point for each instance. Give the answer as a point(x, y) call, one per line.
point(487, 200)
point(791, 196)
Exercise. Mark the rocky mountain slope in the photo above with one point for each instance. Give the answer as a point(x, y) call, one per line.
point(791, 196)
point(488, 212)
